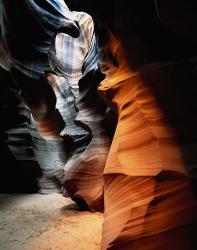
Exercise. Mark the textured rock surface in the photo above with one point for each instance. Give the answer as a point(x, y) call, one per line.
point(149, 200)
point(84, 170)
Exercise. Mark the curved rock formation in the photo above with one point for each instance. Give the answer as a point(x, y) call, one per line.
point(149, 200)
point(84, 170)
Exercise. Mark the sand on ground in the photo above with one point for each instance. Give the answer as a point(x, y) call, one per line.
point(47, 222)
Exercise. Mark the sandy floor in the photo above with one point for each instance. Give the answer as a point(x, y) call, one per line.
point(43, 222)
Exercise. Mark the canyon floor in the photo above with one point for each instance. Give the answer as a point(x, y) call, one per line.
point(47, 222)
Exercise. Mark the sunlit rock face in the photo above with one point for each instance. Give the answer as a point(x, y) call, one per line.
point(85, 120)
point(149, 197)
point(144, 178)
point(80, 109)
point(27, 30)
point(84, 169)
